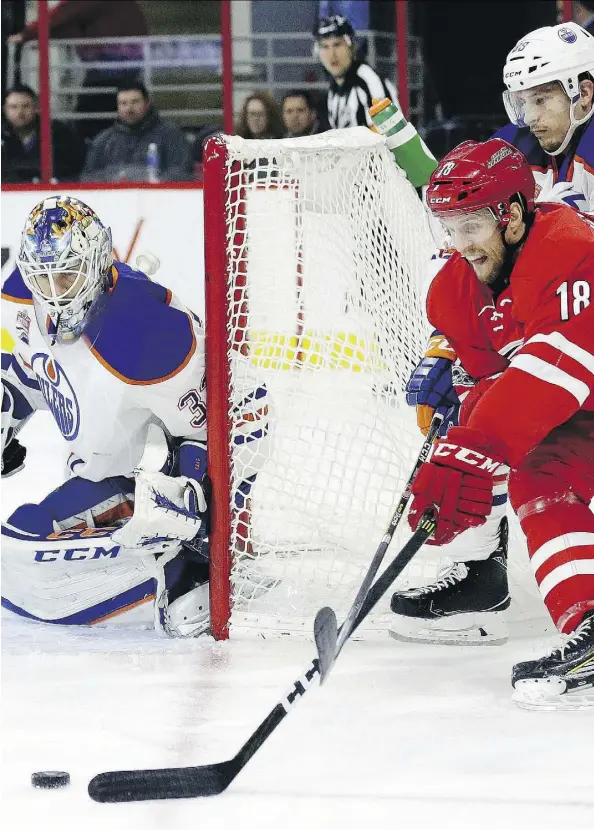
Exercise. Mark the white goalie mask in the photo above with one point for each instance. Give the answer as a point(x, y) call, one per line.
point(65, 260)
point(553, 54)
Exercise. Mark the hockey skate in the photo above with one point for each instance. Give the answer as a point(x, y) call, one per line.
point(464, 606)
point(558, 680)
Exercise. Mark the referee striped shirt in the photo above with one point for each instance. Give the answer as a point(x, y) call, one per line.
point(348, 104)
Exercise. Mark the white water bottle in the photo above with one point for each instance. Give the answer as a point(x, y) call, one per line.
point(152, 163)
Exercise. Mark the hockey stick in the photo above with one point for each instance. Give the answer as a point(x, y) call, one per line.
point(212, 779)
point(329, 641)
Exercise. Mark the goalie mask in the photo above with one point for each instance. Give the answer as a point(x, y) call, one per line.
point(540, 66)
point(65, 259)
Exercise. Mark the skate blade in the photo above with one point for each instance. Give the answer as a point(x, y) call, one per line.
point(461, 630)
point(452, 638)
point(536, 696)
point(541, 703)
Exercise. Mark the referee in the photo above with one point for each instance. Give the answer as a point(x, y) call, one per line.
point(353, 82)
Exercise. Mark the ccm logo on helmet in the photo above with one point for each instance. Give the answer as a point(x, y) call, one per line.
point(474, 459)
point(440, 200)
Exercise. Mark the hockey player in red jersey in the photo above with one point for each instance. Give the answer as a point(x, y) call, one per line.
point(549, 81)
point(515, 302)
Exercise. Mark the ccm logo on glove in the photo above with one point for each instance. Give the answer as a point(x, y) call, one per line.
point(471, 457)
point(458, 480)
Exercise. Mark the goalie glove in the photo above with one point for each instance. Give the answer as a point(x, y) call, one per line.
point(14, 415)
point(13, 458)
point(458, 480)
point(430, 386)
point(167, 510)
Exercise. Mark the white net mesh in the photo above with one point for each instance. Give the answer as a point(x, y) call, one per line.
point(327, 247)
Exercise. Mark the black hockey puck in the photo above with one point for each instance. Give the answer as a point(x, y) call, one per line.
point(50, 780)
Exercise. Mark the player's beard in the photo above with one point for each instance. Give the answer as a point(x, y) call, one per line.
point(495, 272)
point(547, 143)
point(501, 276)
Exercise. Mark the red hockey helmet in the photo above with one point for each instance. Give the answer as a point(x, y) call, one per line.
point(477, 175)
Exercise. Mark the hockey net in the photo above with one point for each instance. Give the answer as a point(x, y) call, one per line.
point(316, 252)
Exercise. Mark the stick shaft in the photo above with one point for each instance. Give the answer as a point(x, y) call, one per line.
point(348, 625)
point(211, 779)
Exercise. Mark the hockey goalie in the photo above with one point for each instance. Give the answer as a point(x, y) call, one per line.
point(119, 363)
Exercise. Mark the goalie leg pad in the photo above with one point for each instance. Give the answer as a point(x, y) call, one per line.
point(59, 565)
point(76, 579)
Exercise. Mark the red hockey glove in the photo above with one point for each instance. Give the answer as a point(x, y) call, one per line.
point(458, 481)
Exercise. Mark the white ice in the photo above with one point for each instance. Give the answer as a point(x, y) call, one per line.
point(401, 736)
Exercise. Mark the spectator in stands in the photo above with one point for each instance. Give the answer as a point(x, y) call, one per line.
point(21, 145)
point(299, 114)
point(260, 117)
point(122, 151)
point(583, 13)
point(353, 82)
point(96, 19)
point(13, 20)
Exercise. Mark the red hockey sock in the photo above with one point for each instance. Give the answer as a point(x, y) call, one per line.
point(560, 537)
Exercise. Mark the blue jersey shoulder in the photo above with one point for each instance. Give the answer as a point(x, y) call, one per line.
point(136, 334)
point(522, 138)
point(15, 290)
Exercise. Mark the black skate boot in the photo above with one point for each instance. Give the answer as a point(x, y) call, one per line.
point(462, 607)
point(556, 681)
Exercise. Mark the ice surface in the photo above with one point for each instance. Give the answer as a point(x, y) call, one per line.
point(401, 736)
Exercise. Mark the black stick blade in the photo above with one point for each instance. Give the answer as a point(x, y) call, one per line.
point(326, 635)
point(154, 784)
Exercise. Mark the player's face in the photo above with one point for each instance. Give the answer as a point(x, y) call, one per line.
point(479, 240)
point(297, 115)
point(132, 106)
point(20, 110)
point(544, 110)
point(256, 118)
point(66, 285)
point(336, 55)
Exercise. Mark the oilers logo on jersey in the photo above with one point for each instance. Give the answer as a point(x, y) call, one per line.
point(58, 393)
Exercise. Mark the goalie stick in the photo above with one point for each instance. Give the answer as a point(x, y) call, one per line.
point(329, 641)
point(212, 779)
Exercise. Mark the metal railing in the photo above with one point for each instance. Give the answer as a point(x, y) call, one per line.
point(191, 65)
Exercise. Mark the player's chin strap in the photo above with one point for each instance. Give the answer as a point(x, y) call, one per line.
point(574, 125)
point(512, 251)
